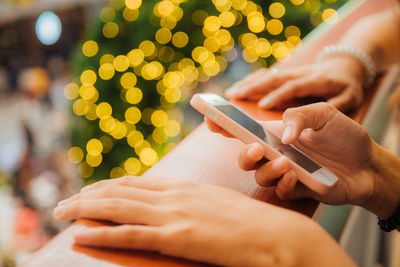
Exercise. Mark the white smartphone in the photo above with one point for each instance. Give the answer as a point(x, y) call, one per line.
point(243, 127)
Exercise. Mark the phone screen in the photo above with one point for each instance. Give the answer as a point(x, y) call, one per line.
point(268, 137)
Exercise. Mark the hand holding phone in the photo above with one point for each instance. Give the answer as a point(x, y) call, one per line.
point(242, 126)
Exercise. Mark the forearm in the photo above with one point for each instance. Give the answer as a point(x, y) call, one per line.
point(315, 247)
point(385, 172)
point(378, 36)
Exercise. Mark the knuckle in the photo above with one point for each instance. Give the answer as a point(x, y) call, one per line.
point(111, 190)
point(170, 234)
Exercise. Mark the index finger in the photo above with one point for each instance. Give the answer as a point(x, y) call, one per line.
point(216, 128)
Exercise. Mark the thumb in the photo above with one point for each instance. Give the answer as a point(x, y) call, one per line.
point(313, 116)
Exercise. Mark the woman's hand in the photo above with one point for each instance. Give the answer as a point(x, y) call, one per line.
point(338, 80)
point(199, 222)
point(330, 138)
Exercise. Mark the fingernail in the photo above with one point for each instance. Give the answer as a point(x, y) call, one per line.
point(58, 211)
point(81, 236)
point(280, 164)
point(265, 102)
point(287, 133)
point(253, 152)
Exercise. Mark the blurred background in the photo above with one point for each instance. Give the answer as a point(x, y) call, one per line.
point(96, 89)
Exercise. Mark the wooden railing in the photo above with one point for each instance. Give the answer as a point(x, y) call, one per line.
point(210, 158)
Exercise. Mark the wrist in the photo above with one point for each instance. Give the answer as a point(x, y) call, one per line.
point(385, 173)
point(350, 67)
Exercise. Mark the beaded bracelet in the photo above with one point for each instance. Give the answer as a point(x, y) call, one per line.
point(391, 223)
point(362, 57)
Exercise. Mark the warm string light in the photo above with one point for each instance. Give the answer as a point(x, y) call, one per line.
point(160, 60)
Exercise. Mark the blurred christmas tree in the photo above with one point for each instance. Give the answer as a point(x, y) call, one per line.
point(142, 58)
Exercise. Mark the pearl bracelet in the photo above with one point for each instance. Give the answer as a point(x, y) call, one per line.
point(361, 56)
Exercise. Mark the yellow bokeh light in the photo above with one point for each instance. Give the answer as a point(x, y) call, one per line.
point(121, 63)
point(159, 118)
point(212, 23)
point(71, 91)
point(152, 70)
point(223, 36)
point(107, 124)
point(107, 14)
point(135, 139)
point(172, 128)
point(250, 55)
point(133, 4)
point(91, 114)
point(132, 166)
point(94, 160)
point(277, 10)
point(292, 31)
point(294, 40)
point(274, 26)
point(212, 44)
point(165, 8)
point(163, 35)
point(130, 14)
point(110, 29)
point(248, 39)
point(128, 80)
point(279, 50)
point(330, 16)
point(250, 7)
point(87, 92)
point(159, 136)
point(147, 47)
point(256, 22)
point(200, 54)
point(75, 154)
point(227, 19)
point(119, 130)
point(94, 147)
point(173, 95)
point(263, 48)
point(106, 58)
point(88, 77)
point(133, 115)
point(148, 156)
point(85, 170)
point(106, 71)
point(103, 110)
point(80, 107)
point(90, 48)
point(168, 22)
point(180, 39)
point(297, 2)
point(134, 95)
point(107, 143)
point(239, 4)
point(177, 13)
point(136, 57)
point(117, 172)
point(173, 79)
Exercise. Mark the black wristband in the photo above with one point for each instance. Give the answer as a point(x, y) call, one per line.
point(391, 223)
